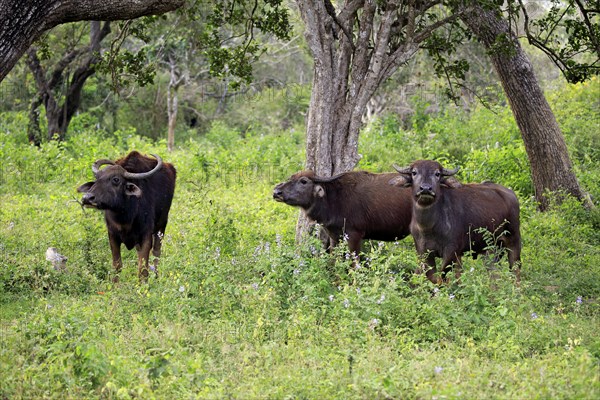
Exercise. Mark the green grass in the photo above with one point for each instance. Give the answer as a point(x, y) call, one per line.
point(241, 311)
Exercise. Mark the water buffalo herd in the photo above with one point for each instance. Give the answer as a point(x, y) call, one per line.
point(445, 217)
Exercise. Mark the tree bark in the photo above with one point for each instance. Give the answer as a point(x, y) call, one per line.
point(22, 22)
point(175, 82)
point(172, 109)
point(551, 167)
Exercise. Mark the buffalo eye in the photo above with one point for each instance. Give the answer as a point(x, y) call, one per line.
point(116, 180)
point(304, 181)
point(414, 173)
point(437, 174)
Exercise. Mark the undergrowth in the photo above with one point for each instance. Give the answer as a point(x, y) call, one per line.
point(241, 311)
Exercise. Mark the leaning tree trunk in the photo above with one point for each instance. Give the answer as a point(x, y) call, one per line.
point(551, 167)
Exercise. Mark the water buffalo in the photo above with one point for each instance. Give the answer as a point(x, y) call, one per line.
point(135, 193)
point(447, 217)
point(358, 204)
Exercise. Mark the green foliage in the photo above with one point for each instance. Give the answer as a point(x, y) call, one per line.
point(568, 33)
point(229, 39)
point(241, 311)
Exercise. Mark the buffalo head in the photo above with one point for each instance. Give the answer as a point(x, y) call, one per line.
point(300, 189)
point(113, 185)
point(426, 178)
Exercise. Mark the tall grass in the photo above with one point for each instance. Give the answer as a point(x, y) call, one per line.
point(241, 311)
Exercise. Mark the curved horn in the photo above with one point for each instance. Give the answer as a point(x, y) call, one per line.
point(143, 175)
point(318, 179)
point(449, 172)
point(402, 170)
point(96, 166)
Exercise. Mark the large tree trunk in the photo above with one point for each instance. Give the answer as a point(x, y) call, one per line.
point(551, 167)
point(22, 22)
point(347, 72)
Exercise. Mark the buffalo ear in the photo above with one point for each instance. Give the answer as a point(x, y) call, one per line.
point(319, 191)
point(85, 187)
point(132, 189)
point(400, 180)
point(451, 182)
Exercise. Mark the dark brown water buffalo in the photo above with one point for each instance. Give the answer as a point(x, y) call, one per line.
point(135, 193)
point(359, 204)
point(447, 216)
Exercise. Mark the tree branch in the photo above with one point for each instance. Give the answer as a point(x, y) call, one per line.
point(22, 22)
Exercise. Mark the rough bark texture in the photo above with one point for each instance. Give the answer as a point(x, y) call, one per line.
point(551, 166)
point(349, 66)
point(23, 21)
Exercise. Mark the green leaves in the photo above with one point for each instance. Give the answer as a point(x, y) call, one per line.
point(230, 40)
point(569, 33)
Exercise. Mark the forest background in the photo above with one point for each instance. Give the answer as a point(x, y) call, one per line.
point(241, 310)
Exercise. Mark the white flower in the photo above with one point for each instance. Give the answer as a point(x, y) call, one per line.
point(181, 288)
point(373, 323)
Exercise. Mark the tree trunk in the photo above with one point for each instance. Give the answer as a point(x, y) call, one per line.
point(549, 160)
point(175, 81)
point(22, 22)
point(34, 133)
point(172, 108)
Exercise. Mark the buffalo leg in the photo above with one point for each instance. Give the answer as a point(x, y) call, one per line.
point(428, 265)
point(117, 262)
point(156, 245)
point(450, 262)
point(514, 262)
point(143, 251)
point(354, 242)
